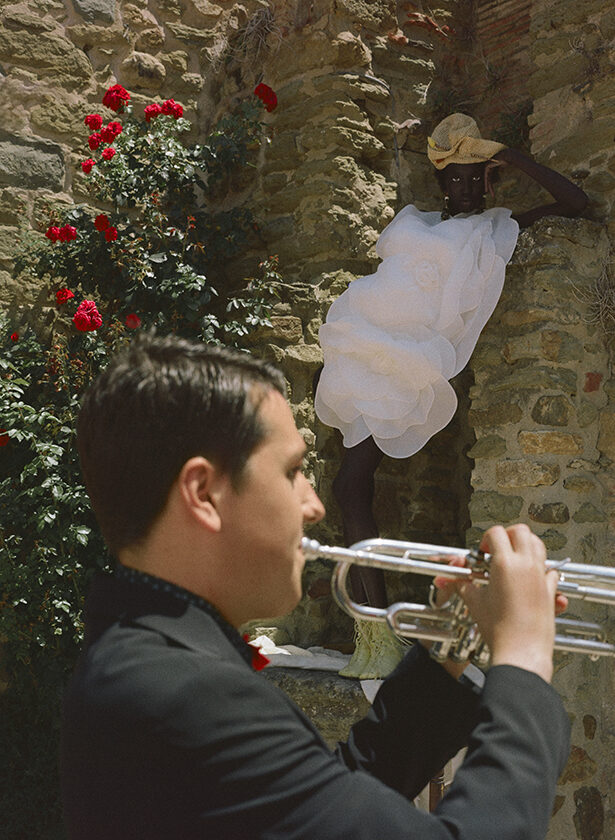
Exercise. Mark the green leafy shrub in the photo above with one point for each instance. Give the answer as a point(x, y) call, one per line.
point(147, 261)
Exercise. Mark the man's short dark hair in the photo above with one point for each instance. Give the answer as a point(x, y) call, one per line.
point(157, 404)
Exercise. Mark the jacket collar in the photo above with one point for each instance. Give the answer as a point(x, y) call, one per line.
point(139, 599)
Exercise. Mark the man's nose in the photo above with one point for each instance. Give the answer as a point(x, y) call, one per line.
point(313, 508)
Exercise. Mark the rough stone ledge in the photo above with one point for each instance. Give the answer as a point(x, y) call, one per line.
point(332, 703)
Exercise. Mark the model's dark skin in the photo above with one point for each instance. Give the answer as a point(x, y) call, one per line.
point(466, 186)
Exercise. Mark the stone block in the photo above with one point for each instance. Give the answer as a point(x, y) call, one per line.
point(354, 86)
point(17, 18)
point(207, 9)
point(374, 14)
point(50, 54)
point(150, 39)
point(553, 540)
point(552, 411)
point(277, 229)
point(589, 513)
point(31, 164)
point(195, 37)
point(9, 244)
point(553, 345)
point(12, 206)
point(350, 51)
point(93, 10)
point(488, 506)
point(592, 381)
point(606, 434)
point(486, 355)
point(536, 377)
point(557, 66)
point(491, 446)
point(85, 35)
point(533, 315)
point(589, 815)
point(496, 415)
point(580, 482)
point(579, 767)
point(303, 357)
point(583, 464)
point(555, 513)
point(284, 328)
point(192, 82)
point(553, 443)
point(524, 473)
point(587, 414)
point(52, 116)
point(175, 61)
point(141, 70)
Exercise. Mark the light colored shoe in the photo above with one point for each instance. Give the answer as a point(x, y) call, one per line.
point(377, 652)
point(362, 651)
point(386, 652)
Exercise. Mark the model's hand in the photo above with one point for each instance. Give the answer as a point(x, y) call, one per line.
point(515, 612)
point(490, 166)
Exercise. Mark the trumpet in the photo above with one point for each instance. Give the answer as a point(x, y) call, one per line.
point(450, 627)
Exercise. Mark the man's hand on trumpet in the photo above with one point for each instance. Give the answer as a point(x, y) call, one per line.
point(516, 612)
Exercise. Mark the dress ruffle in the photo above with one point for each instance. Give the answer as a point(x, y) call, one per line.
point(393, 339)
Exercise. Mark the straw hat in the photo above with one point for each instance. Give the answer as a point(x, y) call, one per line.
point(457, 140)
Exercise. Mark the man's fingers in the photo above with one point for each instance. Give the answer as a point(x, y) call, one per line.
point(447, 586)
point(561, 603)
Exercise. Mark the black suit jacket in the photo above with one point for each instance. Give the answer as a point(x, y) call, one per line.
point(169, 733)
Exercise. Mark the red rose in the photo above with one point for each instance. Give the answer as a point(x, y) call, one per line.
point(53, 233)
point(267, 96)
point(115, 127)
point(87, 165)
point(108, 153)
point(67, 233)
point(111, 234)
point(87, 317)
point(116, 97)
point(101, 222)
point(62, 295)
point(172, 109)
point(151, 111)
point(94, 141)
point(4, 438)
point(15, 336)
point(132, 321)
point(107, 134)
point(93, 121)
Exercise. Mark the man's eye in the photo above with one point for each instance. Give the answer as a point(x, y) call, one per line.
point(455, 180)
point(477, 178)
point(292, 474)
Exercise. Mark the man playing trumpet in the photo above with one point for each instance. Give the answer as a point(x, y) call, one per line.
point(193, 464)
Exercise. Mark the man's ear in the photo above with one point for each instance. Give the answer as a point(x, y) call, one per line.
point(199, 484)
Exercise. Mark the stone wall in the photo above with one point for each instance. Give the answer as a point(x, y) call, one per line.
point(359, 85)
point(542, 415)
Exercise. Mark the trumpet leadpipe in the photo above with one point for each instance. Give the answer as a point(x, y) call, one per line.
point(582, 581)
point(312, 549)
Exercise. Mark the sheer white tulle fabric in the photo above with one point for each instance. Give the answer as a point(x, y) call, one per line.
point(393, 339)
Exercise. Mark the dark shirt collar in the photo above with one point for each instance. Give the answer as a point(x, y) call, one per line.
point(134, 577)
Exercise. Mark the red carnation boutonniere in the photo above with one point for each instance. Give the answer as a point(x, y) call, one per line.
point(258, 660)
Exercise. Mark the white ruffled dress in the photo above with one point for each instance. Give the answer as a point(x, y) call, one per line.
point(393, 339)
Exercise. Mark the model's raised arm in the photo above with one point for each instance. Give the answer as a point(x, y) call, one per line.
point(570, 200)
